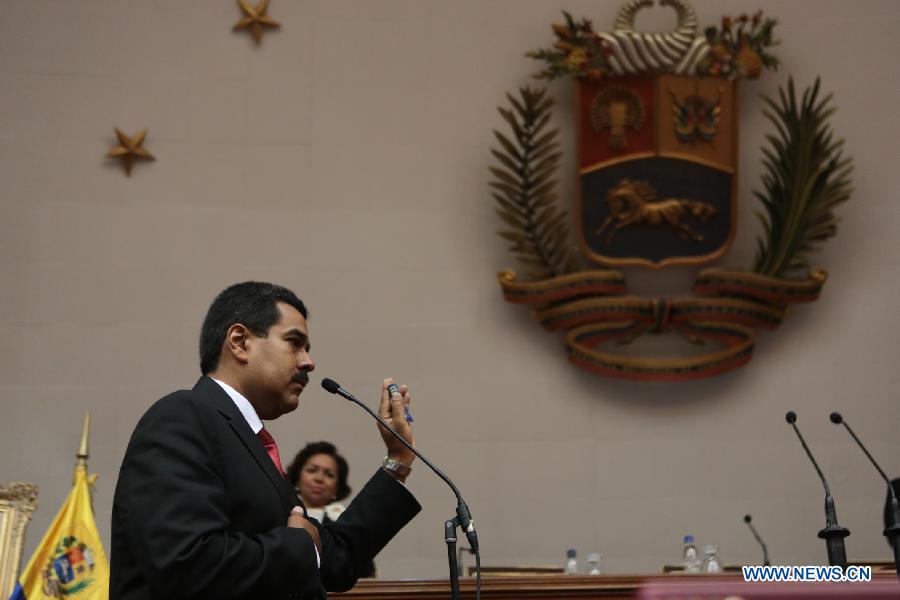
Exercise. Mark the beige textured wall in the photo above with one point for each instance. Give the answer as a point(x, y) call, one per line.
point(346, 157)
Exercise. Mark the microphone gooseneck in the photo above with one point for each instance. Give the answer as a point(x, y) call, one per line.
point(833, 534)
point(463, 518)
point(891, 532)
point(747, 520)
point(332, 386)
point(837, 419)
point(791, 417)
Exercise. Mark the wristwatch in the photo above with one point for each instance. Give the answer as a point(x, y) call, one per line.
point(396, 467)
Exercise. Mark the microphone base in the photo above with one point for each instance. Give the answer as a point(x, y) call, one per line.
point(892, 533)
point(834, 543)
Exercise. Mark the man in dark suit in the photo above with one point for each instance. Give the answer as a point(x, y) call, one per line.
point(202, 508)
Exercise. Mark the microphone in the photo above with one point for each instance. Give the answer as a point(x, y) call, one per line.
point(462, 510)
point(833, 534)
point(892, 533)
point(747, 520)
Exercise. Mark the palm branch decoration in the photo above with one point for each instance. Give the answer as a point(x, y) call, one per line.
point(805, 177)
point(524, 187)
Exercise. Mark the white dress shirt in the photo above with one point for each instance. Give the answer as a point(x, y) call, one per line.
point(243, 405)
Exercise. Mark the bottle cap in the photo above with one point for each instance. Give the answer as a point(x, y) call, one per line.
point(570, 553)
point(688, 539)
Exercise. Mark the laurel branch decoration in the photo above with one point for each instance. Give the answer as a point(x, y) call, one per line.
point(524, 186)
point(805, 177)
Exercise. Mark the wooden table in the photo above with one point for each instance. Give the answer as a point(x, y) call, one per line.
point(540, 587)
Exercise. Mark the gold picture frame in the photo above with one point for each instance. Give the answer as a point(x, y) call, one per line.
point(17, 503)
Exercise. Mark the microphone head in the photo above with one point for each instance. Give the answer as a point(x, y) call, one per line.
point(747, 518)
point(836, 418)
point(790, 416)
point(330, 385)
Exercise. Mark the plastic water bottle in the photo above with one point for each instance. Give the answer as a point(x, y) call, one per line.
point(571, 562)
point(711, 560)
point(690, 559)
point(594, 567)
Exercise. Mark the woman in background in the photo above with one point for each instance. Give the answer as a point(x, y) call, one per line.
point(319, 475)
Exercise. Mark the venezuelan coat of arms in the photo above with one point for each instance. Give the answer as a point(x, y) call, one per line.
point(69, 570)
point(656, 121)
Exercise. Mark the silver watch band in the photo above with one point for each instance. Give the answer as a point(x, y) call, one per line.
point(396, 467)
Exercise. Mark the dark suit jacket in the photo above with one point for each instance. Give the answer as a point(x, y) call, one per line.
point(368, 570)
point(200, 511)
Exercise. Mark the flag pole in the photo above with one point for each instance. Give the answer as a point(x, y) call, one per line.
point(82, 456)
point(69, 558)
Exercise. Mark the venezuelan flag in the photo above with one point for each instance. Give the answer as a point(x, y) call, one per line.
point(69, 561)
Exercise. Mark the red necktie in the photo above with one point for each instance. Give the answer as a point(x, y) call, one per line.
point(271, 449)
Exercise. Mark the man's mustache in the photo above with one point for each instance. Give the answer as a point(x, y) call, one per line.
point(301, 377)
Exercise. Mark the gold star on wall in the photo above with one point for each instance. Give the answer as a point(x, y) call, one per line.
point(255, 18)
point(130, 149)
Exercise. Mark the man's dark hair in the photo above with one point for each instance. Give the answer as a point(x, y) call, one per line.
point(252, 304)
point(313, 448)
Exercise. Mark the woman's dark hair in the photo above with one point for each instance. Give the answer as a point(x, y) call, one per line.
point(251, 304)
point(313, 448)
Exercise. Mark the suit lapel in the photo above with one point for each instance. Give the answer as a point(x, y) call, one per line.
point(225, 405)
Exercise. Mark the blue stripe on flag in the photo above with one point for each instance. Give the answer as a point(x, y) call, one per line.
point(18, 593)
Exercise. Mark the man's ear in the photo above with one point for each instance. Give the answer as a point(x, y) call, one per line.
point(237, 343)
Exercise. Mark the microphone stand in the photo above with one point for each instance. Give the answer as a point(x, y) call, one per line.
point(462, 519)
point(747, 520)
point(450, 537)
point(892, 533)
point(833, 534)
